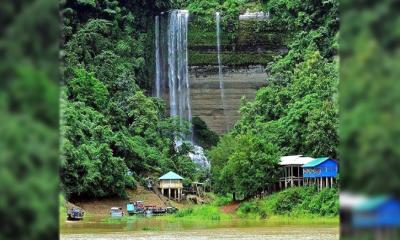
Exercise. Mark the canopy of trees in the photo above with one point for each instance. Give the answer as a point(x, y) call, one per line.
point(112, 132)
point(297, 113)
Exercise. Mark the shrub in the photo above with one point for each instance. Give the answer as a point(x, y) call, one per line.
point(222, 200)
point(293, 201)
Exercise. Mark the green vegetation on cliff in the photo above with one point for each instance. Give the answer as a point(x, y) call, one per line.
point(296, 113)
point(112, 132)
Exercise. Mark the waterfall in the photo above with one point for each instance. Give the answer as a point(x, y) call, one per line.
point(220, 75)
point(172, 66)
point(178, 71)
point(157, 55)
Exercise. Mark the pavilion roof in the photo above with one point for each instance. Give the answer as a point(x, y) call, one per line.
point(294, 160)
point(171, 176)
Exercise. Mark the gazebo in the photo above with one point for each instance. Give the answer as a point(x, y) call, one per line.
point(173, 183)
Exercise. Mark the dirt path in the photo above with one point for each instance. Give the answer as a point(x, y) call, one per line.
point(230, 208)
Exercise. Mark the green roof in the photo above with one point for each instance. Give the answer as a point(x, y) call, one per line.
point(372, 203)
point(171, 176)
point(316, 162)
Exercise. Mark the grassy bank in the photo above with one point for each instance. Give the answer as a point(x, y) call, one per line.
point(300, 203)
point(295, 205)
point(207, 212)
point(291, 206)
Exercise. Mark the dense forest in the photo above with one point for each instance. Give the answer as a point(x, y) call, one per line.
point(113, 133)
point(297, 113)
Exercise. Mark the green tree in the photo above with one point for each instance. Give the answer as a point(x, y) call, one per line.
point(248, 169)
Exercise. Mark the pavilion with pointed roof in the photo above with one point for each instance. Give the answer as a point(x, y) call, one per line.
point(171, 184)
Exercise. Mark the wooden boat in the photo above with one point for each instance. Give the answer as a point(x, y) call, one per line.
point(75, 214)
point(116, 212)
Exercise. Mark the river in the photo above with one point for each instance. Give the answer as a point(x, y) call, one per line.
point(158, 228)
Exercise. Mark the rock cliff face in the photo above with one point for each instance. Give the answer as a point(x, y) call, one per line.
point(206, 98)
point(244, 54)
point(246, 49)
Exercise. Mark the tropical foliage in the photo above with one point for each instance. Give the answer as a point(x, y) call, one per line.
point(113, 133)
point(304, 201)
point(297, 113)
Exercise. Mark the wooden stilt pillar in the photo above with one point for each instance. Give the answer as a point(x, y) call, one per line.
point(286, 177)
point(162, 191)
point(291, 176)
point(321, 182)
point(331, 182)
point(298, 176)
point(169, 193)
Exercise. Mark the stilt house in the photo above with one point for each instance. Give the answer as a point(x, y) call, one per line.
point(171, 185)
point(321, 172)
point(292, 171)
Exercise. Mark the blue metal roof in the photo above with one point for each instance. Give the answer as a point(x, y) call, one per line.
point(316, 162)
point(171, 176)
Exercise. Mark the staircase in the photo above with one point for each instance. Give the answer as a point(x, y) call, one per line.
point(166, 202)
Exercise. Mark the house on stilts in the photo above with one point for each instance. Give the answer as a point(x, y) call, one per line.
point(298, 170)
point(292, 171)
point(321, 172)
point(171, 185)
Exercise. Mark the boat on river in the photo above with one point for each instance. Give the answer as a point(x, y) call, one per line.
point(116, 212)
point(138, 207)
point(75, 214)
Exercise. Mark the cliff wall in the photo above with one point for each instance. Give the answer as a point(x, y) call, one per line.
point(245, 52)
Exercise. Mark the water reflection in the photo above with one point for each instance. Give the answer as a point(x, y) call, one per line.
point(271, 233)
point(159, 228)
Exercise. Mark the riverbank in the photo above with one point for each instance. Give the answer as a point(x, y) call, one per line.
point(295, 206)
point(170, 223)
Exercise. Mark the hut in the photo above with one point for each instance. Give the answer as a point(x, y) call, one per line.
point(171, 184)
point(321, 172)
point(292, 171)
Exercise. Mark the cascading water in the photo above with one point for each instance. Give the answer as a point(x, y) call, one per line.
point(178, 75)
point(157, 54)
point(220, 75)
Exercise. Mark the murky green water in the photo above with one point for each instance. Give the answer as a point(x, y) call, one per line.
point(159, 228)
